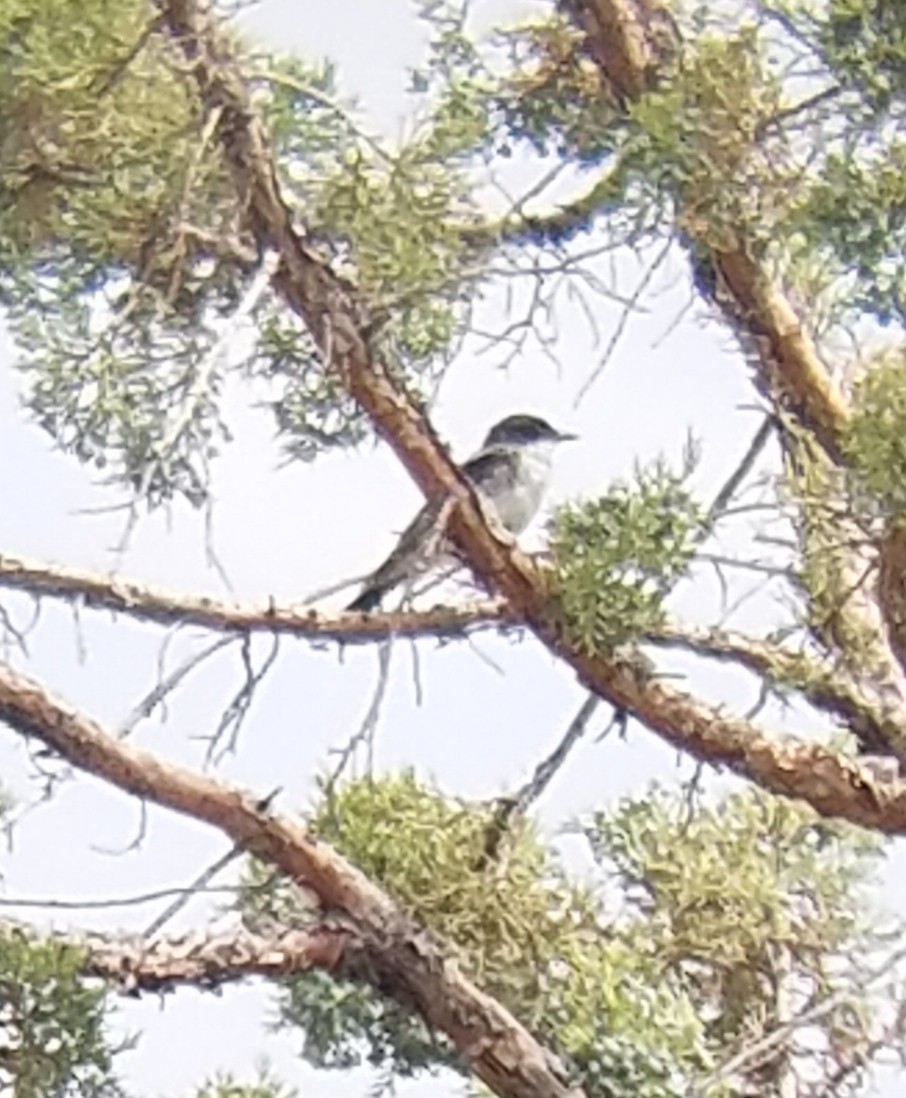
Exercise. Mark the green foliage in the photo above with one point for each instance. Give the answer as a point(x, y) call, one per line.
point(517, 926)
point(103, 167)
point(424, 851)
point(699, 141)
point(640, 998)
point(400, 218)
point(137, 408)
point(119, 236)
point(690, 147)
point(457, 86)
point(311, 409)
point(95, 146)
point(227, 1086)
point(796, 889)
point(616, 557)
point(51, 1023)
point(855, 216)
point(554, 97)
point(864, 43)
point(875, 442)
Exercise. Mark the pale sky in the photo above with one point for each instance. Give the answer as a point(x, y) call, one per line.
point(285, 532)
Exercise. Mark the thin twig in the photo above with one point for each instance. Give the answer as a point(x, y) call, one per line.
point(627, 311)
point(365, 732)
point(734, 481)
point(779, 1036)
point(510, 808)
point(186, 894)
point(233, 718)
point(166, 686)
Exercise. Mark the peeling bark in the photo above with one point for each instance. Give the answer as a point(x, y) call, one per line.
point(207, 961)
point(399, 958)
point(337, 318)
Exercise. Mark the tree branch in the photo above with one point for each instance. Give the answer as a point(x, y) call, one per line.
point(338, 319)
point(401, 959)
point(626, 40)
point(208, 961)
point(892, 587)
point(145, 602)
point(873, 715)
point(785, 354)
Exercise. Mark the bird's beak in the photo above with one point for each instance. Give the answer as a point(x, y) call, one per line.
point(566, 436)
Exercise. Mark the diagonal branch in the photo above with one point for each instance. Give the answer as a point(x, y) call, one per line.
point(625, 39)
point(873, 715)
point(338, 319)
point(401, 959)
point(785, 355)
point(626, 42)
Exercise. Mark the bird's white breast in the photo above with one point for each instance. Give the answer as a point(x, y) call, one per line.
point(518, 506)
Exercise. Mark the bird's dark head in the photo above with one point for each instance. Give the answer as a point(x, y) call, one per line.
point(523, 430)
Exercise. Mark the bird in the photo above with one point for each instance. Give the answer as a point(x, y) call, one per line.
point(510, 472)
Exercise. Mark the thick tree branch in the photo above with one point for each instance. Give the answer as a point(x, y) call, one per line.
point(335, 313)
point(401, 959)
point(627, 44)
point(831, 783)
point(873, 715)
point(145, 602)
point(338, 320)
point(207, 961)
point(625, 38)
point(785, 354)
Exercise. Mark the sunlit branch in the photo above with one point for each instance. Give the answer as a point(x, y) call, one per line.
point(148, 603)
point(875, 718)
point(395, 955)
point(206, 960)
point(339, 321)
point(627, 42)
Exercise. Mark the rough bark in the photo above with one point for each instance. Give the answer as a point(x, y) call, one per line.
point(399, 958)
point(338, 319)
point(624, 40)
point(873, 714)
point(149, 603)
point(207, 960)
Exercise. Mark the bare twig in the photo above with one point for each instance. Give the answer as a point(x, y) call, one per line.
point(184, 895)
point(510, 808)
point(643, 284)
point(230, 723)
point(734, 482)
point(167, 684)
point(778, 1037)
point(365, 732)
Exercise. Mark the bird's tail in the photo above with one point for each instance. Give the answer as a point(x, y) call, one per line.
point(369, 598)
point(404, 563)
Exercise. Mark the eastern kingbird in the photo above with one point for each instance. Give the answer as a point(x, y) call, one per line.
point(510, 472)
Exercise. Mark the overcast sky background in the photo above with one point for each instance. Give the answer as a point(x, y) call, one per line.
point(283, 532)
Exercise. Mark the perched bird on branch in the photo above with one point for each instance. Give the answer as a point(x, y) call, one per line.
point(510, 473)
